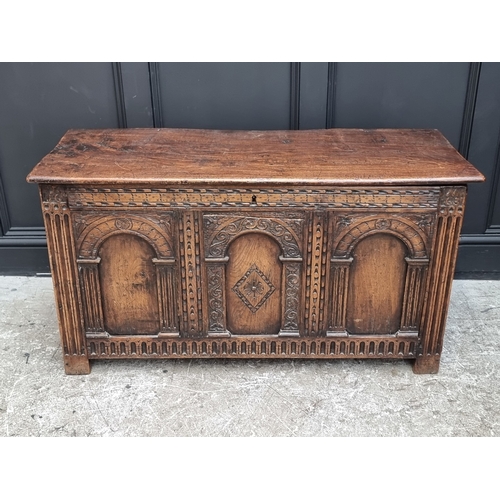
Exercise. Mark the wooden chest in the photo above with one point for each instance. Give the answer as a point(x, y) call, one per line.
point(177, 243)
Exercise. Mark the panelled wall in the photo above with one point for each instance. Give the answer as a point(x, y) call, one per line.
point(40, 101)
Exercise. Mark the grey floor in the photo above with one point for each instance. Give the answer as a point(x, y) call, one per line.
point(247, 398)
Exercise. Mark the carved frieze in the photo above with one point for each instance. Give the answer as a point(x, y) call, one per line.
point(102, 197)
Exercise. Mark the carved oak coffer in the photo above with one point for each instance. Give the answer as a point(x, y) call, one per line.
point(169, 243)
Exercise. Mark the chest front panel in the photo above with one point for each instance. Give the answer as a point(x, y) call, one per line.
point(340, 272)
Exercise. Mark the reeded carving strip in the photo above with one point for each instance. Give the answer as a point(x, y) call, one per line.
point(339, 271)
point(167, 297)
point(414, 283)
point(63, 266)
point(91, 295)
point(440, 274)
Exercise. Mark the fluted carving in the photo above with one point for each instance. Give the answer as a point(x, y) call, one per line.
point(441, 270)
point(91, 295)
point(62, 256)
point(244, 347)
point(167, 296)
point(338, 298)
point(414, 284)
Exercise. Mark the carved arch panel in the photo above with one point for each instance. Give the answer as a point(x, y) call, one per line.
point(253, 285)
point(376, 285)
point(221, 229)
point(407, 238)
point(414, 232)
point(92, 230)
point(253, 265)
point(145, 281)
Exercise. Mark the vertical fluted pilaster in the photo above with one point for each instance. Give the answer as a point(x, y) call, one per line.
point(441, 270)
point(339, 286)
point(91, 295)
point(62, 257)
point(414, 284)
point(167, 296)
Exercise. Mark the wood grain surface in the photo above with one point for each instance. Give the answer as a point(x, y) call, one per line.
point(128, 282)
point(376, 285)
point(253, 287)
point(281, 158)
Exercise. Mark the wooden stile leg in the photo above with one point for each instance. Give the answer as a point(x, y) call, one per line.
point(76, 365)
point(64, 275)
point(426, 364)
point(449, 223)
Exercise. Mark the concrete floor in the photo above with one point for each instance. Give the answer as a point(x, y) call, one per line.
point(247, 398)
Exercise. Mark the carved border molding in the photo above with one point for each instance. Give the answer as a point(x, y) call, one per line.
point(104, 197)
point(263, 347)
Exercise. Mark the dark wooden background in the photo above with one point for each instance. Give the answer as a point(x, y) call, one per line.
point(40, 101)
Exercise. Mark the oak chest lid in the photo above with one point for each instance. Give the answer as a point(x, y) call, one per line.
point(332, 157)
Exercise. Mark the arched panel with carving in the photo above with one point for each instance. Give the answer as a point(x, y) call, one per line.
point(254, 285)
point(261, 256)
point(371, 284)
point(415, 234)
point(376, 285)
point(144, 280)
point(156, 230)
point(220, 230)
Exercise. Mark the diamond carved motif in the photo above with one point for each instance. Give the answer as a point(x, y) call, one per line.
point(253, 288)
